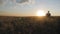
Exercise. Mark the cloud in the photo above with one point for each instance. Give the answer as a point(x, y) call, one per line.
point(12, 0)
point(3, 2)
point(15, 3)
point(22, 1)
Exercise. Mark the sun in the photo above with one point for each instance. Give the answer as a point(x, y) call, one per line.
point(40, 13)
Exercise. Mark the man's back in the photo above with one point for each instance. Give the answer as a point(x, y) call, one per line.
point(48, 14)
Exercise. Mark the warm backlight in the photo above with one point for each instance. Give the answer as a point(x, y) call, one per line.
point(40, 13)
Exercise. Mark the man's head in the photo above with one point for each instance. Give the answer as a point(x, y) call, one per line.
point(48, 11)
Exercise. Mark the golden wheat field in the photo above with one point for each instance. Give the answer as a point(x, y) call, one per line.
point(29, 25)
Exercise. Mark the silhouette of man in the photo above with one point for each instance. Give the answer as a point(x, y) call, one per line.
point(48, 14)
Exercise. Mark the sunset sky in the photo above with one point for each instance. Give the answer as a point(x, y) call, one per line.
point(28, 7)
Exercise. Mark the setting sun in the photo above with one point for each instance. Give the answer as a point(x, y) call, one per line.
point(40, 13)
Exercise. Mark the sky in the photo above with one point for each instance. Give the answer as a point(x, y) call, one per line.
point(28, 7)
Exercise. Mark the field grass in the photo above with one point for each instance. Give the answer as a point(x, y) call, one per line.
point(29, 25)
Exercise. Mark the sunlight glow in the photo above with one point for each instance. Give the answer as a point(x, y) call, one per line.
point(40, 13)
